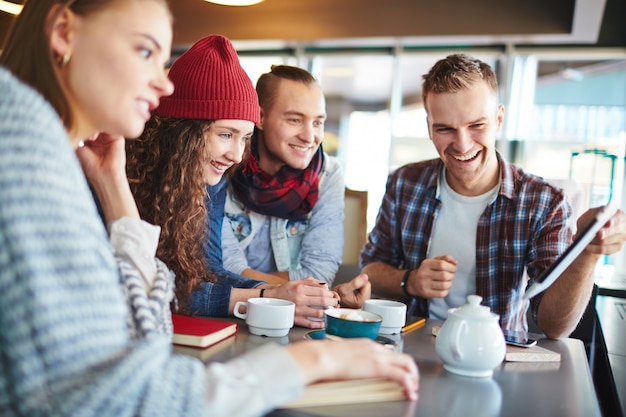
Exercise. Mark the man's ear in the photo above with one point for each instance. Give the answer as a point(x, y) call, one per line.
point(500, 116)
point(259, 125)
point(59, 24)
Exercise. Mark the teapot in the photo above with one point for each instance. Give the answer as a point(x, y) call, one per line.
point(470, 342)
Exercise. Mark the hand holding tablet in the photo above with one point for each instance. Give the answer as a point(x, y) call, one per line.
point(586, 235)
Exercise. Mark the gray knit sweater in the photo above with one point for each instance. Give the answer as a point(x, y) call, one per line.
point(65, 349)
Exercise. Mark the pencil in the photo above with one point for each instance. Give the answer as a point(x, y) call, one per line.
point(413, 326)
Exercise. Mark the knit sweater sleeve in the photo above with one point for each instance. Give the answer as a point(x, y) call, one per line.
point(65, 348)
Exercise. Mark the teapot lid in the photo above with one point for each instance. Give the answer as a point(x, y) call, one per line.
point(473, 309)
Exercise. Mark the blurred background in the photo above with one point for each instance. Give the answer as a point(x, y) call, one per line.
point(561, 66)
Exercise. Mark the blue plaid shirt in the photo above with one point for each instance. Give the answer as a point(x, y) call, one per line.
point(519, 234)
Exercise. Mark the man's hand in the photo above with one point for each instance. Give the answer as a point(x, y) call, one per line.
point(433, 279)
point(610, 238)
point(310, 296)
point(352, 294)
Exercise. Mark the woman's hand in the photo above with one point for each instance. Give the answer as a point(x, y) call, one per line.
point(355, 359)
point(103, 160)
point(103, 157)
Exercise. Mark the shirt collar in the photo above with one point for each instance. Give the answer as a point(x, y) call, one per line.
point(507, 179)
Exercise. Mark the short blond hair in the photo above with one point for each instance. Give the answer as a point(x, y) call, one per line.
point(457, 72)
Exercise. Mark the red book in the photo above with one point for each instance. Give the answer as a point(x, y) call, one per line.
point(200, 331)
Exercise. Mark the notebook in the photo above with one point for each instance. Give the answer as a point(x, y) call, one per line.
point(204, 354)
point(586, 235)
point(348, 392)
point(200, 331)
point(531, 354)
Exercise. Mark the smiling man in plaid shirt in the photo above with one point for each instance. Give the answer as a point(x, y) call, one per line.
point(469, 222)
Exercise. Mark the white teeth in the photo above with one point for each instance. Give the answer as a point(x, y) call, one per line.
point(218, 166)
point(466, 158)
point(301, 148)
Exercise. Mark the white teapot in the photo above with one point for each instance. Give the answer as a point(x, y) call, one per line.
point(471, 342)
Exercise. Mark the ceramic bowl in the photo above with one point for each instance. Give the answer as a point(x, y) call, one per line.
point(350, 322)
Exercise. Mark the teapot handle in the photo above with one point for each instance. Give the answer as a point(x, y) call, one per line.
point(455, 342)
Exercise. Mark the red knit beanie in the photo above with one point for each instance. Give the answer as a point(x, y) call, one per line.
point(209, 83)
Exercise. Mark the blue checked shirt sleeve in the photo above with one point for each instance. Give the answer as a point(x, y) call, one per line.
point(383, 244)
point(551, 240)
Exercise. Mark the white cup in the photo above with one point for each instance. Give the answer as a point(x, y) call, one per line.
point(267, 316)
point(392, 312)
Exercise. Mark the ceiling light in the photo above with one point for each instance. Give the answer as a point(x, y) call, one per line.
point(9, 7)
point(235, 2)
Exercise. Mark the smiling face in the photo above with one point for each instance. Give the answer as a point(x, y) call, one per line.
point(225, 144)
point(292, 129)
point(116, 76)
point(463, 127)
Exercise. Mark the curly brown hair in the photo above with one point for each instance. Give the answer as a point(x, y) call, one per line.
point(165, 171)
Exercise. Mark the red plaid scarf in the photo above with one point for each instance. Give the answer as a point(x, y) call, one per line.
point(290, 194)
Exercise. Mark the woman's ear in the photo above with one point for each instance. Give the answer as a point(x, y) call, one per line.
point(59, 25)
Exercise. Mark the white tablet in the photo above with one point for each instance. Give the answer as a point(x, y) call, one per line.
point(586, 235)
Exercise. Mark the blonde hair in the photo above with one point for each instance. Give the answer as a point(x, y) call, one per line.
point(267, 84)
point(457, 72)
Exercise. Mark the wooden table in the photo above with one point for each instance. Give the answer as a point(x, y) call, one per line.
point(515, 389)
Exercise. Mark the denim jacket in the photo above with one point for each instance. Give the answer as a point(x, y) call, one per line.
point(311, 247)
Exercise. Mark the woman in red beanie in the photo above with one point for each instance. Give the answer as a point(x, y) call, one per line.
point(176, 167)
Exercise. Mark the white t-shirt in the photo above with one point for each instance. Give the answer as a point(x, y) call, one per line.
point(455, 234)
